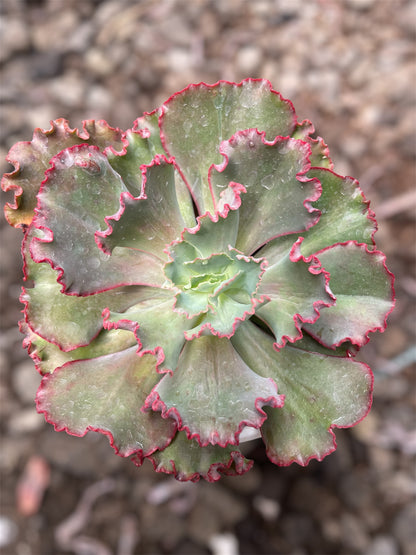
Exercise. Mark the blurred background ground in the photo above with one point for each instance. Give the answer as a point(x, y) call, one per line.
point(349, 66)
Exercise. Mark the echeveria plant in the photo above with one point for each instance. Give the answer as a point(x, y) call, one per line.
point(201, 275)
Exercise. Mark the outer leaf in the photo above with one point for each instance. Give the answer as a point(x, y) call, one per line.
point(187, 460)
point(320, 156)
point(65, 229)
point(321, 392)
point(31, 159)
point(151, 221)
point(142, 145)
point(213, 395)
point(364, 291)
point(67, 321)
point(105, 394)
point(345, 215)
point(297, 289)
point(48, 356)
point(277, 201)
point(222, 109)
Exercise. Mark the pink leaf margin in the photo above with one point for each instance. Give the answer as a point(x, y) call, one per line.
point(39, 135)
point(214, 473)
point(301, 176)
point(155, 403)
point(138, 454)
point(360, 341)
point(165, 106)
point(305, 462)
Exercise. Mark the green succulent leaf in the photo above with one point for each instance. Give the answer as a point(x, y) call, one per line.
point(297, 289)
point(151, 221)
point(278, 194)
point(31, 159)
point(155, 323)
point(106, 394)
point(319, 150)
point(65, 229)
point(213, 394)
point(321, 392)
point(345, 215)
point(187, 460)
point(48, 356)
point(196, 120)
point(142, 143)
point(363, 289)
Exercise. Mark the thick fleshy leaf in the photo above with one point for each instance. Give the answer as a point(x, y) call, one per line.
point(213, 394)
point(48, 356)
point(297, 289)
point(196, 120)
point(151, 221)
point(65, 228)
point(142, 145)
point(155, 324)
point(67, 320)
point(31, 160)
point(363, 288)
point(320, 156)
point(278, 193)
point(213, 234)
point(321, 392)
point(345, 215)
point(105, 394)
point(187, 460)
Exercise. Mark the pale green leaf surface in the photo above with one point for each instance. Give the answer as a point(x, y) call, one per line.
point(344, 213)
point(153, 221)
point(213, 393)
point(362, 286)
point(213, 234)
point(196, 120)
point(277, 190)
point(320, 392)
point(187, 460)
point(106, 394)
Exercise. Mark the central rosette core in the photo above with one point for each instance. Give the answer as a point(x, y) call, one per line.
point(218, 287)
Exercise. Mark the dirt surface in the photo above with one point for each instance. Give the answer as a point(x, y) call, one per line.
point(349, 66)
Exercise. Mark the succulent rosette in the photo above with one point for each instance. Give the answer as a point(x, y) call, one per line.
point(201, 275)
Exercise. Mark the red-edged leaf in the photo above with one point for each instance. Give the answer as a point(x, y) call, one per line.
point(153, 220)
point(213, 394)
point(105, 394)
point(80, 191)
point(321, 392)
point(278, 192)
point(196, 120)
point(31, 160)
point(297, 289)
point(188, 461)
point(364, 293)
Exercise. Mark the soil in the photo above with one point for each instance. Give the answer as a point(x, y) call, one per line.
point(349, 66)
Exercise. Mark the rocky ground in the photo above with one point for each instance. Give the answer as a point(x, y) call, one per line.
point(349, 66)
